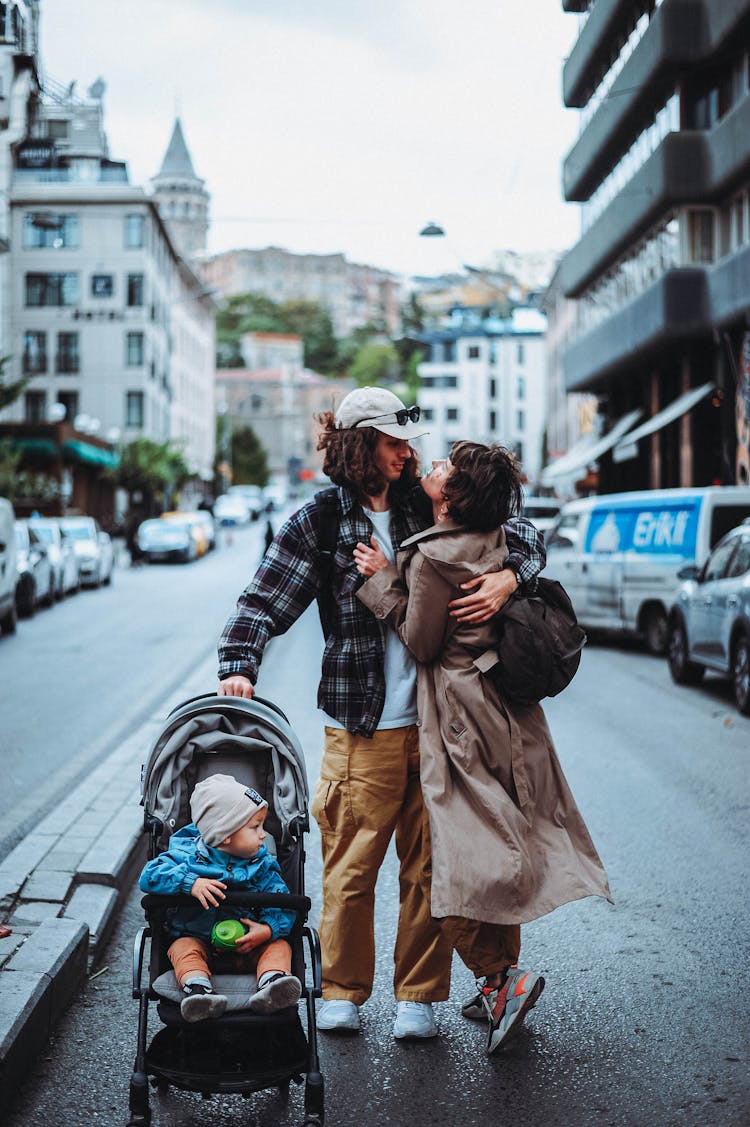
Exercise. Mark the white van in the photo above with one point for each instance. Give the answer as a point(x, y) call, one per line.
point(8, 568)
point(618, 556)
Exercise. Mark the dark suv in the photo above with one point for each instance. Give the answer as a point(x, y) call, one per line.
point(709, 623)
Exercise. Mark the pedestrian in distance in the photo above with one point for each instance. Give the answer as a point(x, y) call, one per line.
point(223, 848)
point(503, 841)
point(369, 784)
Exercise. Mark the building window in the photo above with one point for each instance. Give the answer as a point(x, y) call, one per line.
point(102, 285)
point(520, 353)
point(47, 229)
point(67, 360)
point(35, 406)
point(440, 381)
point(520, 420)
point(134, 350)
point(69, 400)
point(492, 354)
point(451, 414)
point(520, 387)
point(428, 414)
point(701, 235)
point(518, 451)
point(492, 421)
point(57, 129)
point(134, 408)
point(473, 352)
point(34, 353)
point(135, 289)
point(51, 289)
point(449, 350)
point(493, 388)
point(134, 230)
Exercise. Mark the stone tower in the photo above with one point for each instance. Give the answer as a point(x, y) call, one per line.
point(181, 197)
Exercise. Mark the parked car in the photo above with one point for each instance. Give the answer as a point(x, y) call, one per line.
point(62, 555)
point(94, 549)
point(8, 568)
point(252, 495)
point(709, 623)
point(205, 522)
point(618, 555)
point(231, 510)
point(35, 583)
point(169, 540)
point(275, 496)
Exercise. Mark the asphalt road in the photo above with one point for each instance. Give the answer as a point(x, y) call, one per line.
point(644, 1018)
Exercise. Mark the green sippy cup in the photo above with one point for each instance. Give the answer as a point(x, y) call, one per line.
point(224, 933)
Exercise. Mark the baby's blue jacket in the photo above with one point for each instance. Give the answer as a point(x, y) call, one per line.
point(173, 873)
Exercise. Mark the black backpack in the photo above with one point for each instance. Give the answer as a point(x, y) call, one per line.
point(327, 504)
point(538, 644)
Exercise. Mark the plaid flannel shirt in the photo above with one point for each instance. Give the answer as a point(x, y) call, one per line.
point(352, 685)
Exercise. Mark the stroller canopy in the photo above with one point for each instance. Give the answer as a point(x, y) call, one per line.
point(250, 739)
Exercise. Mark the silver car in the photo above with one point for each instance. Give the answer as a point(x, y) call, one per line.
point(62, 555)
point(709, 623)
point(35, 584)
point(94, 549)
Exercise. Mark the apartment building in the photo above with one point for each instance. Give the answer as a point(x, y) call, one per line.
point(485, 379)
point(661, 273)
point(112, 326)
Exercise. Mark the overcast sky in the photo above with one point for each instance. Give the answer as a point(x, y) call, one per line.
point(327, 125)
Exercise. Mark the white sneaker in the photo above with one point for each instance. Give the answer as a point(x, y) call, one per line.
point(414, 1020)
point(338, 1016)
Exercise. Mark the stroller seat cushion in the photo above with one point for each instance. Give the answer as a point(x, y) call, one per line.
point(238, 988)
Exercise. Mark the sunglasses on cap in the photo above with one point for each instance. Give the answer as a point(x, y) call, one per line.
point(400, 418)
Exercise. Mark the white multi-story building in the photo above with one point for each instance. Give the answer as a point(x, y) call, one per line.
point(113, 327)
point(484, 380)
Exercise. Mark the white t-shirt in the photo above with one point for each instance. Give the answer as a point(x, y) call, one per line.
point(400, 708)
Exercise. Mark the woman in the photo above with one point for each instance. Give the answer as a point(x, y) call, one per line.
point(507, 841)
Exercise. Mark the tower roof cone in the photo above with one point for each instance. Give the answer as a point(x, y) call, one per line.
point(177, 160)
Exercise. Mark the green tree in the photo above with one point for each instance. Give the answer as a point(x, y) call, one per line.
point(375, 363)
point(256, 313)
point(308, 319)
point(9, 459)
point(156, 470)
point(249, 461)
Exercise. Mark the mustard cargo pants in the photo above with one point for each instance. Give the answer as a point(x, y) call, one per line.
point(369, 788)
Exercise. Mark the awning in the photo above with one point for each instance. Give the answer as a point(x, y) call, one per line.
point(585, 452)
point(663, 418)
point(93, 455)
point(39, 447)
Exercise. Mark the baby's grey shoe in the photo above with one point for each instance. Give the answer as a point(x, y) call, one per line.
point(201, 1003)
point(277, 993)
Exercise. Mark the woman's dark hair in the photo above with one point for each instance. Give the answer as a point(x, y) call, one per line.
point(349, 459)
point(484, 489)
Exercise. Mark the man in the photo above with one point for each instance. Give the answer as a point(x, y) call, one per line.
point(369, 783)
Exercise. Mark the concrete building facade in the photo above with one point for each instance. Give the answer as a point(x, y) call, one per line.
point(111, 325)
point(661, 273)
point(485, 380)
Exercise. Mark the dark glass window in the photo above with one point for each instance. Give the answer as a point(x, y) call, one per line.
point(67, 359)
point(48, 229)
point(69, 400)
point(451, 414)
point(135, 289)
point(134, 231)
point(134, 350)
point(449, 350)
point(51, 289)
point(35, 406)
point(134, 408)
point(34, 353)
point(473, 352)
point(102, 285)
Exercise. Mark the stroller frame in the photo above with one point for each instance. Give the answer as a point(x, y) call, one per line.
point(240, 1052)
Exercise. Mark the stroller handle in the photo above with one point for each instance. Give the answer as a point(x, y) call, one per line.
point(294, 903)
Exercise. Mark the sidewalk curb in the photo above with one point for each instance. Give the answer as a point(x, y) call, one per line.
point(61, 889)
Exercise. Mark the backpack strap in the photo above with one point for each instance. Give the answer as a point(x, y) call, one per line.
point(327, 506)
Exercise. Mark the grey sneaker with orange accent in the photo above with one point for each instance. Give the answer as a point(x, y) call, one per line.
point(506, 1006)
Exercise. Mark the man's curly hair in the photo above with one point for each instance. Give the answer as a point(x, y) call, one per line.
point(484, 489)
point(349, 460)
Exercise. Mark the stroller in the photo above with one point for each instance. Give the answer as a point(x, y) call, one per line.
point(240, 1052)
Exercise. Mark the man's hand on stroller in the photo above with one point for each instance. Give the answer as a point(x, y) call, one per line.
point(208, 891)
point(236, 686)
point(255, 935)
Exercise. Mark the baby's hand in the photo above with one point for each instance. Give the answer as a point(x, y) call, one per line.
point(255, 935)
point(209, 891)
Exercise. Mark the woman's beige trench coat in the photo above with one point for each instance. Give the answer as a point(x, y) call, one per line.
point(508, 842)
